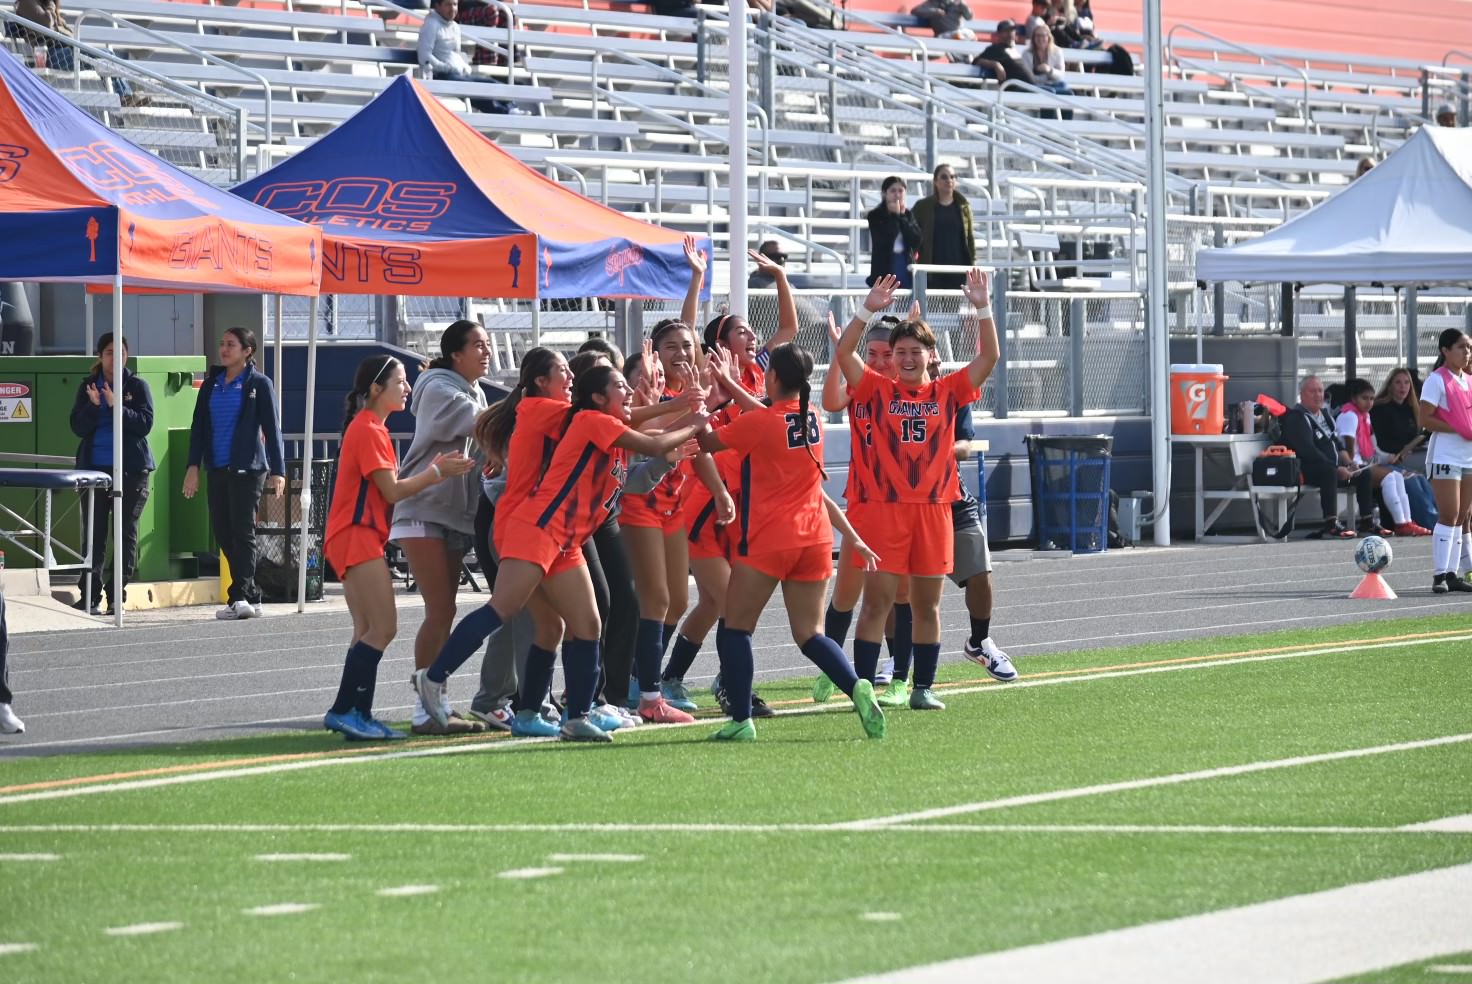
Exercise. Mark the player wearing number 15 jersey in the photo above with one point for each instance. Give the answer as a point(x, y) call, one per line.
point(904, 509)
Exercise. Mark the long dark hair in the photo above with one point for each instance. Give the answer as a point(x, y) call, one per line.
point(494, 425)
point(718, 328)
point(793, 368)
point(371, 371)
point(604, 347)
point(102, 344)
point(452, 340)
point(586, 386)
point(247, 340)
point(584, 361)
point(1444, 341)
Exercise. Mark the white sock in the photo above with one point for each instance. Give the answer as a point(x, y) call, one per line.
point(1396, 500)
point(420, 714)
point(1443, 547)
point(1465, 562)
point(649, 695)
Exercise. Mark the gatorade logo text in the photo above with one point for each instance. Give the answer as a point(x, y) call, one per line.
point(620, 260)
point(361, 203)
point(139, 181)
point(1197, 394)
point(10, 158)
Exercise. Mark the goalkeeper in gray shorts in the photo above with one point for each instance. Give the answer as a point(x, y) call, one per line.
point(973, 567)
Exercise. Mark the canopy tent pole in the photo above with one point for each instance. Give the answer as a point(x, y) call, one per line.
point(1351, 332)
point(737, 144)
point(116, 492)
point(1156, 301)
point(88, 312)
point(276, 372)
point(305, 501)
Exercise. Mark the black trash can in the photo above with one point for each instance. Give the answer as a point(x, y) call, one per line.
point(278, 534)
point(1070, 491)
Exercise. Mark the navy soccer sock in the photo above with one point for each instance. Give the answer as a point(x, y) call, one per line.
point(682, 657)
point(580, 664)
point(671, 629)
point(901, 649)
point(738, 667)
point(359, 673)
point(980, 629)
point(467, 639)
point(836, 624)
point(537, 681)
point(866, 659)
point(927, 658)
point(828, 657)
point(648, 650)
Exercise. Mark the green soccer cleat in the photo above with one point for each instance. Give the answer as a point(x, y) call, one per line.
point(924, 699)
point(870, 713)
point(823, 689)
point(896, 695)
point(736, 731)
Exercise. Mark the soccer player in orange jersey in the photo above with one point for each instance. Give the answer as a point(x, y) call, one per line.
point(910, 481)
point(541, 545)
point(367, 486)
point(783, 535)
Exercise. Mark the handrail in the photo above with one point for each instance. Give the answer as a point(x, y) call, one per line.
point(223, 106)
point(842, 264)
point(1446, 58)
point(196, 52)
point(1170, 56)
point(849, 14)
point(473, 34)
point(577, 175)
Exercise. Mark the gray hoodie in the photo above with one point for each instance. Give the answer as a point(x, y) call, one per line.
point(444, 406)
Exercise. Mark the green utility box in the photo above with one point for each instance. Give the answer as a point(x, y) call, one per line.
point(171, 527)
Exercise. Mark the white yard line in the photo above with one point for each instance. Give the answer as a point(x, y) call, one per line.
point(836, 707)
point(1298, 940)
point(143, 929)
point(303, 857)
point(6, 949)
point(281, 909)
point(527, 874)
point(1151, 782)
point(401, 891)
point(5, 858)
point(1446, 825)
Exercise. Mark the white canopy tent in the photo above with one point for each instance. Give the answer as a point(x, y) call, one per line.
point(1407, 221)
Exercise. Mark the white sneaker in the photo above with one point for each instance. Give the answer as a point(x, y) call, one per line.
point(433, 696)
point(629, 718)
point(244, 609)
point(885, 673)
point(227, 614)
point(256, 611)
point(9, 723)
point(497, 718)
point(989, 656)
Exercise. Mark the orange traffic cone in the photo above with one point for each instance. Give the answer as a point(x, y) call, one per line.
point(1373, 586)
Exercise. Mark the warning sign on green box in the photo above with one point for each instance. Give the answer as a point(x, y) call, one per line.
point(15, 404)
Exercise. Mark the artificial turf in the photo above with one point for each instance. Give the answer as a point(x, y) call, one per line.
point(762, 898)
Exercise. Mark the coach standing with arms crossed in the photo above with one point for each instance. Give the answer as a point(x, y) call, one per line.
point(236, 427)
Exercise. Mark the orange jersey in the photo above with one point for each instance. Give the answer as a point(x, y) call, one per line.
point(665, 498)
point(781, 503)
point(861, 448)
point(356, 501)
point(583, 482)
point(909, 453)
point(539, 423)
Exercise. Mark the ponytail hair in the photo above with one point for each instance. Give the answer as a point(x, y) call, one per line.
point(1446, 340)
point(715, 331)
point(586, 386)
point(371, 372)
point(247, 340)
point(452, 340)
point(494, 425)
point(793, 368)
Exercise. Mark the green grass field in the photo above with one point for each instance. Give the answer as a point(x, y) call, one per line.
point(812, 855)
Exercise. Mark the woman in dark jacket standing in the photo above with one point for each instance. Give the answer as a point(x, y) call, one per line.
point(237, 435)
point(894, 235)
point(92, 422)
point(946, 238)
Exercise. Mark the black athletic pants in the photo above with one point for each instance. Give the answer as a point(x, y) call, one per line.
point(5, 695)
point(1327, 480)
point(135, 497)
point(233, 498)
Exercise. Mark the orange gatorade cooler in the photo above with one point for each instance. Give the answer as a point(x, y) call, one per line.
point(1197, 399)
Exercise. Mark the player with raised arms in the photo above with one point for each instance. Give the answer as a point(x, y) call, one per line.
point(366, 487)
point(541, 543)
point(783, 535)
point(912, 473)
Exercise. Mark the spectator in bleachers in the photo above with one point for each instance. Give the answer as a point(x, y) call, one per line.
point(763, 277)
point(60, 56)
point(440, 55)
point(1045, 62)
point(947, 18)
point(1037, 17)
point(1364, 167)
point(894, 235)
point(1446, 115)
point(946, 238)
point(1309, 432)
point(1001, 59)
point(478, 13)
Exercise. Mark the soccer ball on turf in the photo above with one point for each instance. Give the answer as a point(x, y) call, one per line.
point(1372, 554)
